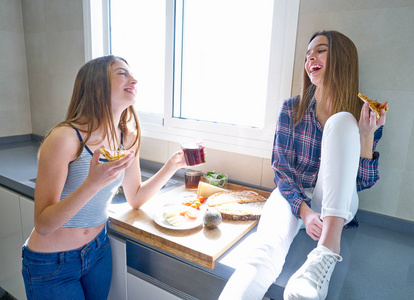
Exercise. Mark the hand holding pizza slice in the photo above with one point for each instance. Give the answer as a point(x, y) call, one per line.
point(374, 105)
point(112, 155)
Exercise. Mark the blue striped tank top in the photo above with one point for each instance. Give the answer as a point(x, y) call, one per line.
point(95, 211)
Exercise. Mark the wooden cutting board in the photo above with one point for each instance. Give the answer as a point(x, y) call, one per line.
point(198, 245)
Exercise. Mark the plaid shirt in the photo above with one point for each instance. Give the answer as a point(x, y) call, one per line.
point(297, 152)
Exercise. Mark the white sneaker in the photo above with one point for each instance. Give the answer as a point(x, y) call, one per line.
point(311, 281)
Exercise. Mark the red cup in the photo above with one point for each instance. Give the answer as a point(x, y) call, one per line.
point(193, 153)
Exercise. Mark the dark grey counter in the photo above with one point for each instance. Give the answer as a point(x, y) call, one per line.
point(18, 165)
point(378, 256)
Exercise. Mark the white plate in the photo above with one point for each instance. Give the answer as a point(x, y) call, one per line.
point(186, 224)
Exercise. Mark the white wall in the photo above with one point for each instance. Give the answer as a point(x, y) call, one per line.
point(55, 52)
point(383, 32)
point(14, 92)
point(381, 29)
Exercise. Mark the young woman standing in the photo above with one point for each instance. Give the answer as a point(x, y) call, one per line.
point(68, 255)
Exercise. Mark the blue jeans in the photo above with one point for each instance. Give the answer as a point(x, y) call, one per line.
point(83, 273)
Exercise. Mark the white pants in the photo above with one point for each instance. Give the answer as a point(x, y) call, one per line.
point(334, 195)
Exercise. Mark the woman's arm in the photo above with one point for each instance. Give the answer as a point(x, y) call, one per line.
point(370, 130)
point(136, 192)
point(284, 160)
point(58, 150)
point(368, 124)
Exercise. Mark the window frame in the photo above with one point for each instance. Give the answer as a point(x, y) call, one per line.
point(243, 140)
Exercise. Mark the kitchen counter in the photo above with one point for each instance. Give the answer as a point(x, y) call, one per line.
point(378, 256)
point(195, 244)
point(18, 170)
point(18, 166)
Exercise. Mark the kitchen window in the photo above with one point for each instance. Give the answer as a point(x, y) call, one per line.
point(215, 69)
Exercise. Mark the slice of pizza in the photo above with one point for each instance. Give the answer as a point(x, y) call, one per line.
point(112, 155)
point(374, 105)
point(243, 196)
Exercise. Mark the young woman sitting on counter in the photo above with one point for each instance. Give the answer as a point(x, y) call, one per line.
point(68, 255)
point(321, 157)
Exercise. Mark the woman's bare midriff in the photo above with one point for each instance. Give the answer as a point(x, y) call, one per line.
point(63, 239)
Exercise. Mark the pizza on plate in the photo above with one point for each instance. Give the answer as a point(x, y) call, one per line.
point(238, 205)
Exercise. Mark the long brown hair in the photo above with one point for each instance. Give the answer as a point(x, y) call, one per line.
point(91, 107)
point(341, 80)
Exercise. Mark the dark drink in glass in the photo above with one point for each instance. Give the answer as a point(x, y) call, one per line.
point(192, 178)
point(193, 153)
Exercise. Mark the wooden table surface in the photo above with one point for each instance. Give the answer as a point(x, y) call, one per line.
point(198, 245)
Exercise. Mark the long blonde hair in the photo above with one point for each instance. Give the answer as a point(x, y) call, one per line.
point(91, 107)
point(341, 81)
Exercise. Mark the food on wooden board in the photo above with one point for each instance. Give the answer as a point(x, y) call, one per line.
point(212, 218)
point(172, 215)
point(237, 205)
point(206, 190)
point(216, 178)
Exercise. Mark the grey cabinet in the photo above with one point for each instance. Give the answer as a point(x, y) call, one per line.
point(11, 241)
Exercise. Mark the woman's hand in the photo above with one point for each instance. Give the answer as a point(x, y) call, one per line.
point(312, 220)
point(368, 124)
point(177, 160)
point(102, 174)
point(314, 225)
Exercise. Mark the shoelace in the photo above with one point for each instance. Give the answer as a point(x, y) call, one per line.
point(321, 263)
